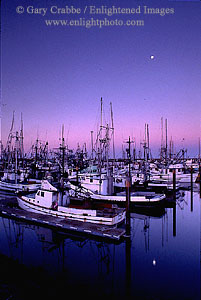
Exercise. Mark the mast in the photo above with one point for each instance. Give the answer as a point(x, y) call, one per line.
point(147, 141)
point(21, 139)
point(10, 136)
point(17, 147)
point(101, 128)
point(112, 130)
point(128, 187)
point(92, 146)
point(1, 144)
point(161, 138)
point(166, 142)
point(144, 144)
point(63, 149)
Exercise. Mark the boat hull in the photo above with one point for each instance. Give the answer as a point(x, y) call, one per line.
point(118, 199)
point(83, 215)
point(14, 187)
point(141, 201)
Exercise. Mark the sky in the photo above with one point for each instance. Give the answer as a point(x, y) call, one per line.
point(57, 75)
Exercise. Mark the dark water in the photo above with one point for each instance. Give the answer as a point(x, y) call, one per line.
point(161, 260)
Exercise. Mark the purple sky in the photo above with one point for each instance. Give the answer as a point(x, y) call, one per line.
point(57, 75)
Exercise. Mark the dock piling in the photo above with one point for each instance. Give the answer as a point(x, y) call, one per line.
point(191, 188)
point(174, 183)
point(200, 178)
point(128, 185)
point(128, 188)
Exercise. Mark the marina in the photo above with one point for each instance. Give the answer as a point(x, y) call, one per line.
point(100, 150)
point(96, 201)
point(163, 245)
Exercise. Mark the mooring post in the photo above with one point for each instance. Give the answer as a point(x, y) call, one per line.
point(191, 188)
point(191, 178)
point(200, 178)
point(128, 185)
point(174, 184)
point(128, 225)
point(174, 204)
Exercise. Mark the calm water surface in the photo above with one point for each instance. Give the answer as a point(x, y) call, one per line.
point(161, 260)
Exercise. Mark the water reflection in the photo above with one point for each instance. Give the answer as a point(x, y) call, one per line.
point(160, 260)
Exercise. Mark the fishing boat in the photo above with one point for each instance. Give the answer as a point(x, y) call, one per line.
point(10, 183)
point(51, 201)
point(137, 198)
point(183, 175)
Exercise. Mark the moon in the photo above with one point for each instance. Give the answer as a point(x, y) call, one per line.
point(152, 56)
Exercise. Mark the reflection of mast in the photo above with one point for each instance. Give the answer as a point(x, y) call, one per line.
point(52, 241)
point(128, 267)
point(104, 256)
point(146, 233)
point(14, 233)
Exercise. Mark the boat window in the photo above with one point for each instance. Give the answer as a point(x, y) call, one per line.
point(100, 181)
point(91, 179)
point(42, 194)
point(38, 193)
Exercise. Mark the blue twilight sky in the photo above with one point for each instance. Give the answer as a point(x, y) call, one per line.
point(57, 74)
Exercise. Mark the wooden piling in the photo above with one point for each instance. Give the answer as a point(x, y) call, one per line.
point(191, 188)
point(174, 183)
point(200, 178)
point(128, 186)
point(191, 178)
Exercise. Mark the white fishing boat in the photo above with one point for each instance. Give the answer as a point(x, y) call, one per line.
point(183, 175)
point(49, 200)
point(163, 185)
point(9, 183)
point(138, 199)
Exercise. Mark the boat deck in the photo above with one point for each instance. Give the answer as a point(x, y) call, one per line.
point(66, 225)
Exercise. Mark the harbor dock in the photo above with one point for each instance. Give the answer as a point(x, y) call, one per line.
point(64, 225)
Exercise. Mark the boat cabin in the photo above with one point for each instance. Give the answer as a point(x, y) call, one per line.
point(48, 196)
